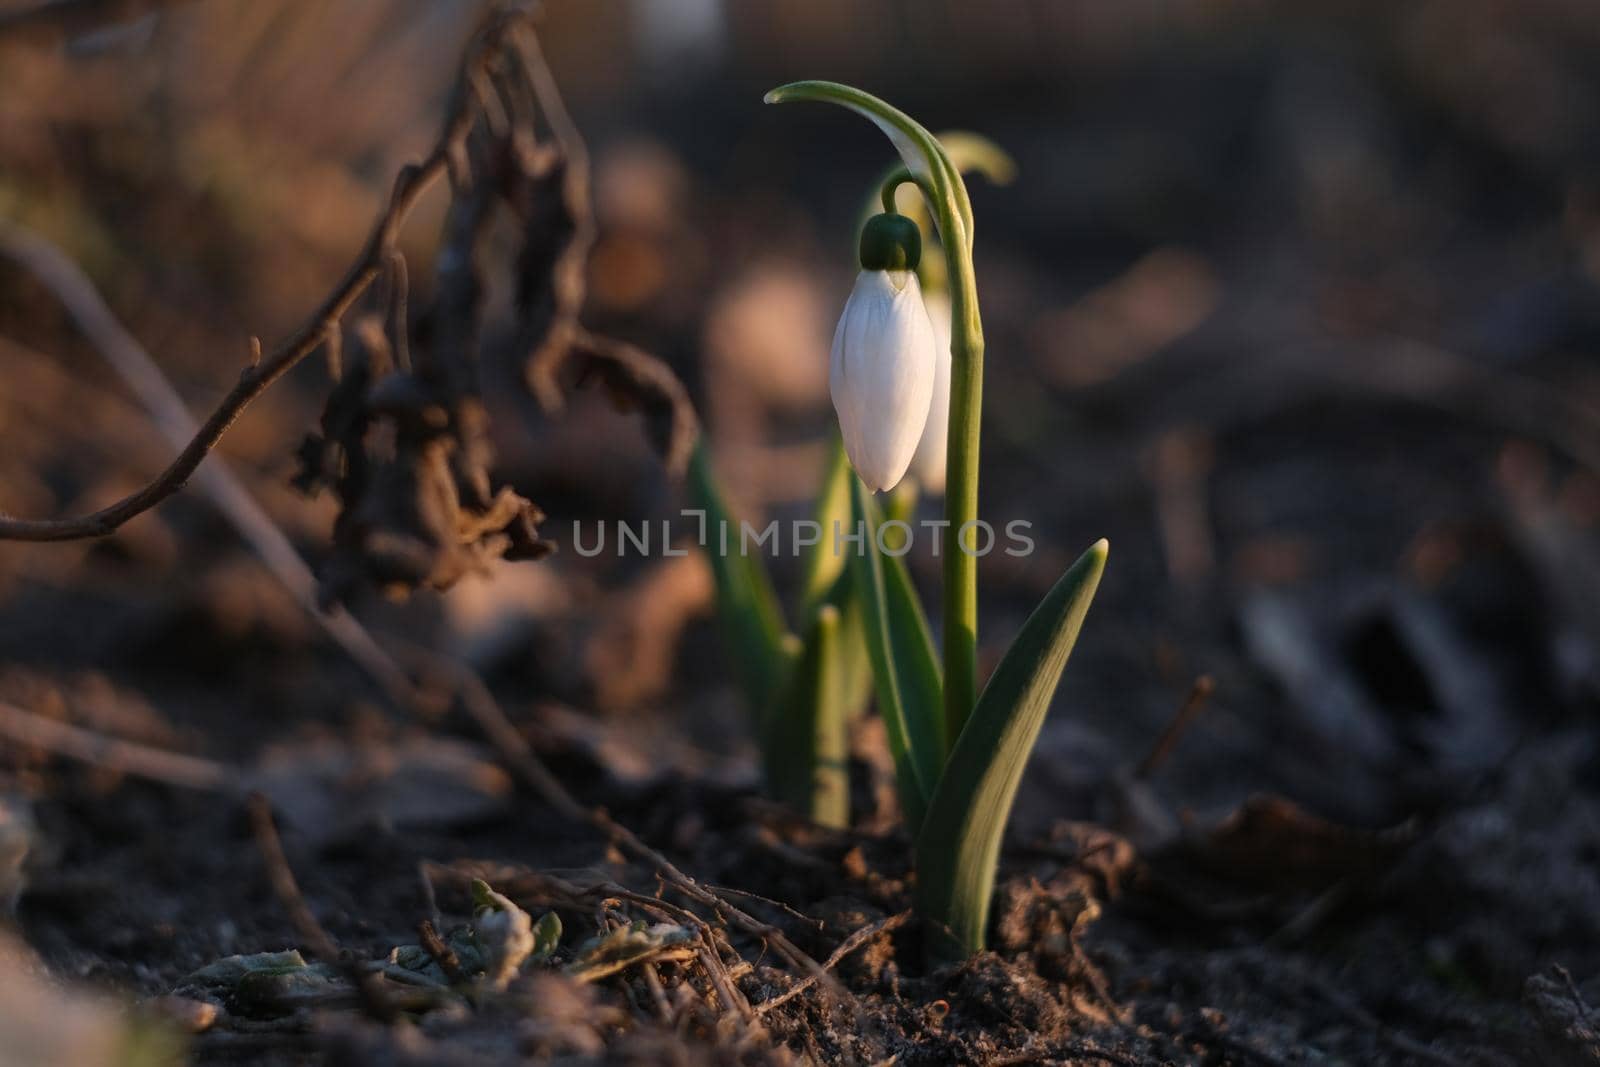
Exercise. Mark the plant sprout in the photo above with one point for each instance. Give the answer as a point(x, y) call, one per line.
point(958, 755)
point(804, 689)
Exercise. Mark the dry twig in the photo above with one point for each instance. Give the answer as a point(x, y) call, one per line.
point(847, 946)
point(626, 370)
point(97, 322)
point(133, 364)
point(567, 283)
point(443, 954)
point(475, 697)
point(252, 382)
point(126, 757)
point(480, 704)
point(377, 1003)
point(1199, 693)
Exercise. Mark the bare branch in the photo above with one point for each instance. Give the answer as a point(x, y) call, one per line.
point(642, 382)
point(480, 704)
point(641, 378)
point(141, 373)
point(23, 727)
point(847, 946)
point(58, 274)
point(373, 998)
point(567, 280)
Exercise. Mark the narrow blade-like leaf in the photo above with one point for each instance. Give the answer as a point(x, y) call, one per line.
point(807, 747)
point(930, 165)
point(752, 621)
point(959, 843)
point(905, 668)
point(825, 564)
point(827, 580)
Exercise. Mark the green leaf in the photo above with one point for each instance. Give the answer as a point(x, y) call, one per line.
point(752, 621)
point(824, 566)
point(901, 506)
point(959, 843)
point(828, 582)
point(853, 667)
point(807, 750)
point(904, 665)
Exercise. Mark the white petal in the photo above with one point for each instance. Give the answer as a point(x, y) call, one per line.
point(881, 374)
point(928, 465)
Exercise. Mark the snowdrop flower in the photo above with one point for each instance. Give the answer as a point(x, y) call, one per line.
point(882, 370)
point(927, 466)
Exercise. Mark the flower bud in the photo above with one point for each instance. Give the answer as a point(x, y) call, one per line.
point(890, 242)
point(928, 465)
point(881, 373)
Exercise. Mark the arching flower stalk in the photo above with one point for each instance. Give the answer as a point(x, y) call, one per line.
point(803, 686)
point(958, 755)
point(968, 153)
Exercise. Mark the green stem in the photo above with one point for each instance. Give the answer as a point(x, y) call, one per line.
point(961, 494)
point(947, 200)
point(893, 182)
point(941, 183)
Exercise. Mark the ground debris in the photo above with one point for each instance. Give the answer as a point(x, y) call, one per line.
point(1565, 1026)
point(504, 934)
point(407, 452)
point(1273, 842)
point(630, 946)
point(267, 984)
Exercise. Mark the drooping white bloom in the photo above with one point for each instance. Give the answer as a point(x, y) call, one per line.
point(928, 465)
point(881, 374)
